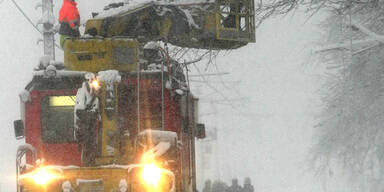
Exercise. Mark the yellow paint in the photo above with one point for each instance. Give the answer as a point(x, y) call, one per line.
point(94, 24)
point(110, 176)
point(210, 34)
point(97, 54)
point(109, 126)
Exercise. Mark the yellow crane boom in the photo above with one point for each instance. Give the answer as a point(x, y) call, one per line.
point(220, 24)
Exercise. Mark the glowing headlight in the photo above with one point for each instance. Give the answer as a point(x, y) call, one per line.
point(95, 84)
point(42, 176)
point(151, 175)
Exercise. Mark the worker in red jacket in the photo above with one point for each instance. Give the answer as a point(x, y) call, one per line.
point(69, 19)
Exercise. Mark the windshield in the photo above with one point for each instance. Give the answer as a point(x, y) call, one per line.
point(57, 119)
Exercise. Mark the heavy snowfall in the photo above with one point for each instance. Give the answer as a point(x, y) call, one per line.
point(299, 110)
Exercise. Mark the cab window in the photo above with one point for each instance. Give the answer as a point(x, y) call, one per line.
point(57, 119)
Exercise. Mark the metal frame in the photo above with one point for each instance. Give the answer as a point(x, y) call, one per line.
point(241, 31)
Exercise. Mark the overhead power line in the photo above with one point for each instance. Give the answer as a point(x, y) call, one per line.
point(30, 21)
point(26, 16)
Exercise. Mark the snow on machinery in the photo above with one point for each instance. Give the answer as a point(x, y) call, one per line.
point(207, 24)
point(118, 115)
point(135, 134)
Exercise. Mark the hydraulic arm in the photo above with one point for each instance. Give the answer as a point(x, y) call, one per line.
point(220, 24)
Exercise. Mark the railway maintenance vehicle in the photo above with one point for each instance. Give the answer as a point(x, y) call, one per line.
point(118, 114)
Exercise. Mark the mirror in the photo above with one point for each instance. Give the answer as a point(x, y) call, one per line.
point(19, 129)
point(200, 131)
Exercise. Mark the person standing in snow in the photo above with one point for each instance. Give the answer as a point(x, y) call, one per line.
point(207, 186)
point(69, 19)
point(219, 186)
point(247, 185)
point(235, 187)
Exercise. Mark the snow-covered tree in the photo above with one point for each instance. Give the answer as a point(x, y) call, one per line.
point(350, 133)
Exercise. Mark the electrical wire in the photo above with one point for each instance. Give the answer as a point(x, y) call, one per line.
point(30, 21)
point(26, 16)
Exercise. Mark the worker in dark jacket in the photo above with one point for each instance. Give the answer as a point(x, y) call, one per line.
point(69, 19)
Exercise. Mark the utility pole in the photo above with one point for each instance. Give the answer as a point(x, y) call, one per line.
point(48, 21)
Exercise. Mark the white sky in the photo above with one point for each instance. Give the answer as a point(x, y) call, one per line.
point(282, 84)
point(270, 145)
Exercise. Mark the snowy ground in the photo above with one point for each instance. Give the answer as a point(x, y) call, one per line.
point(268, 140)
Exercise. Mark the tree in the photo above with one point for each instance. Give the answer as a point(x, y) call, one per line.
point(271, 8)
point(350, 132)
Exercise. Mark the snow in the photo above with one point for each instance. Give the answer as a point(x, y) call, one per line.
point(152, 45)
point(139, 4)
point(25, 96)
point(122, 9)
point(155, 68)
point(163, 11)
point(379, 38)
point(79, 181)
point(61, 73)
point(66, 186)
point(191, 21)
point(265, 74)
point(44, 61)
point(109, 77)
point(179, 91)
point(47, 18)
point(159, 150)
point(115, 166)
point(123, 185)
point(363, 44)
point(61, 168)
point(158, 135)
point(84, 98)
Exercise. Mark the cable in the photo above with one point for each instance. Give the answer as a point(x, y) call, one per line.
point(26, 16)
point(30, 21)
point(221, 94)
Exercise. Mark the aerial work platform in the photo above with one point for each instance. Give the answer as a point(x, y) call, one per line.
point(219, 24)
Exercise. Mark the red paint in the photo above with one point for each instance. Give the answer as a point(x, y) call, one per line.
point(54, 154)
point(68, 153)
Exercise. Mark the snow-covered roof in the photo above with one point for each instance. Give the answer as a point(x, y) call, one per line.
point(61, 73)
point(135, 4)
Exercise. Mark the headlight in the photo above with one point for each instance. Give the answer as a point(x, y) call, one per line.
point(41, 176)
point(151, 175)
point(95, 84)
